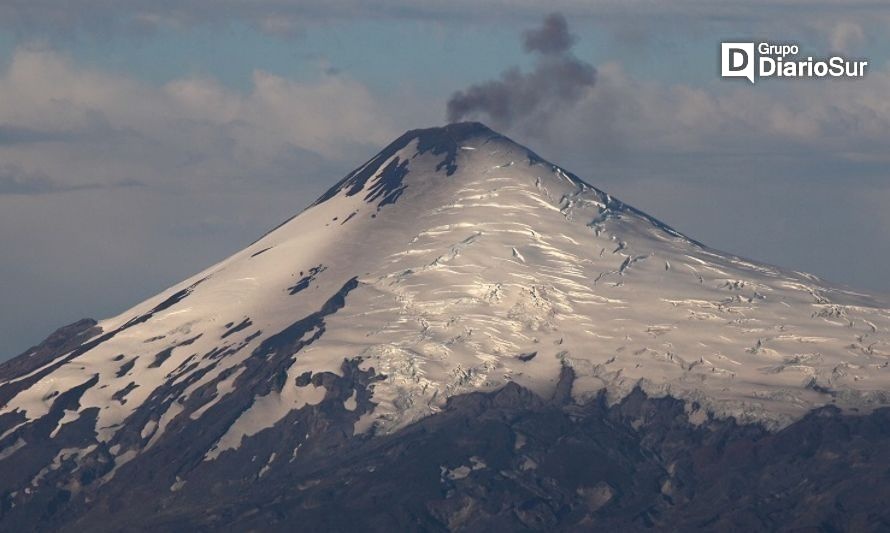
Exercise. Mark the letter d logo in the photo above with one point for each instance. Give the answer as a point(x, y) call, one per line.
point(737, 60)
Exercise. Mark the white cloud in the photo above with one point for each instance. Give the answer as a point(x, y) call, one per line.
point(322, 117)
point(80, 125)
point(846, 35)
point(848, 119)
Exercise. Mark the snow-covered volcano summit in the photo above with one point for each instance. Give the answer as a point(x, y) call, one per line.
point(454, 261)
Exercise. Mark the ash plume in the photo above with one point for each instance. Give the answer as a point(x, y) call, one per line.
point(558, 80)
point(552, 37)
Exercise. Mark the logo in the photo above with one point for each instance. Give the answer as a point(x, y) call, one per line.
point(737, 60)
point(769, 60)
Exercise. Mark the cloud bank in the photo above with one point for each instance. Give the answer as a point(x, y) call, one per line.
point(64, 127)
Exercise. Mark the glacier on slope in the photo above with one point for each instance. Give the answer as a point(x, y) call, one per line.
point(454, 261)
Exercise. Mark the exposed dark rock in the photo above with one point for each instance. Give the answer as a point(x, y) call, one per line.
point(126, 367)
point(61, 341)
point(505, 461)
point(304, 281)
point(260, 251)
point(436, 141)
point(121, 395)
point(388, 186)
point(74, 337)
point(165, 354)
point(244, 324)
point(527, 356)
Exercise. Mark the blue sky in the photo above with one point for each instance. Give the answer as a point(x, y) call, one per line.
point(141, 143)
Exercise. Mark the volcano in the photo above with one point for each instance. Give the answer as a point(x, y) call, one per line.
point(460, 335)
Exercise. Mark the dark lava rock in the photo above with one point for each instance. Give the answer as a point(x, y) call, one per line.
point(502, 461)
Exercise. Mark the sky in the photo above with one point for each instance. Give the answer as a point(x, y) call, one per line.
point(141, 142)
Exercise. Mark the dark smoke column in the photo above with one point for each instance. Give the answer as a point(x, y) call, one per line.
point(558, 80)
